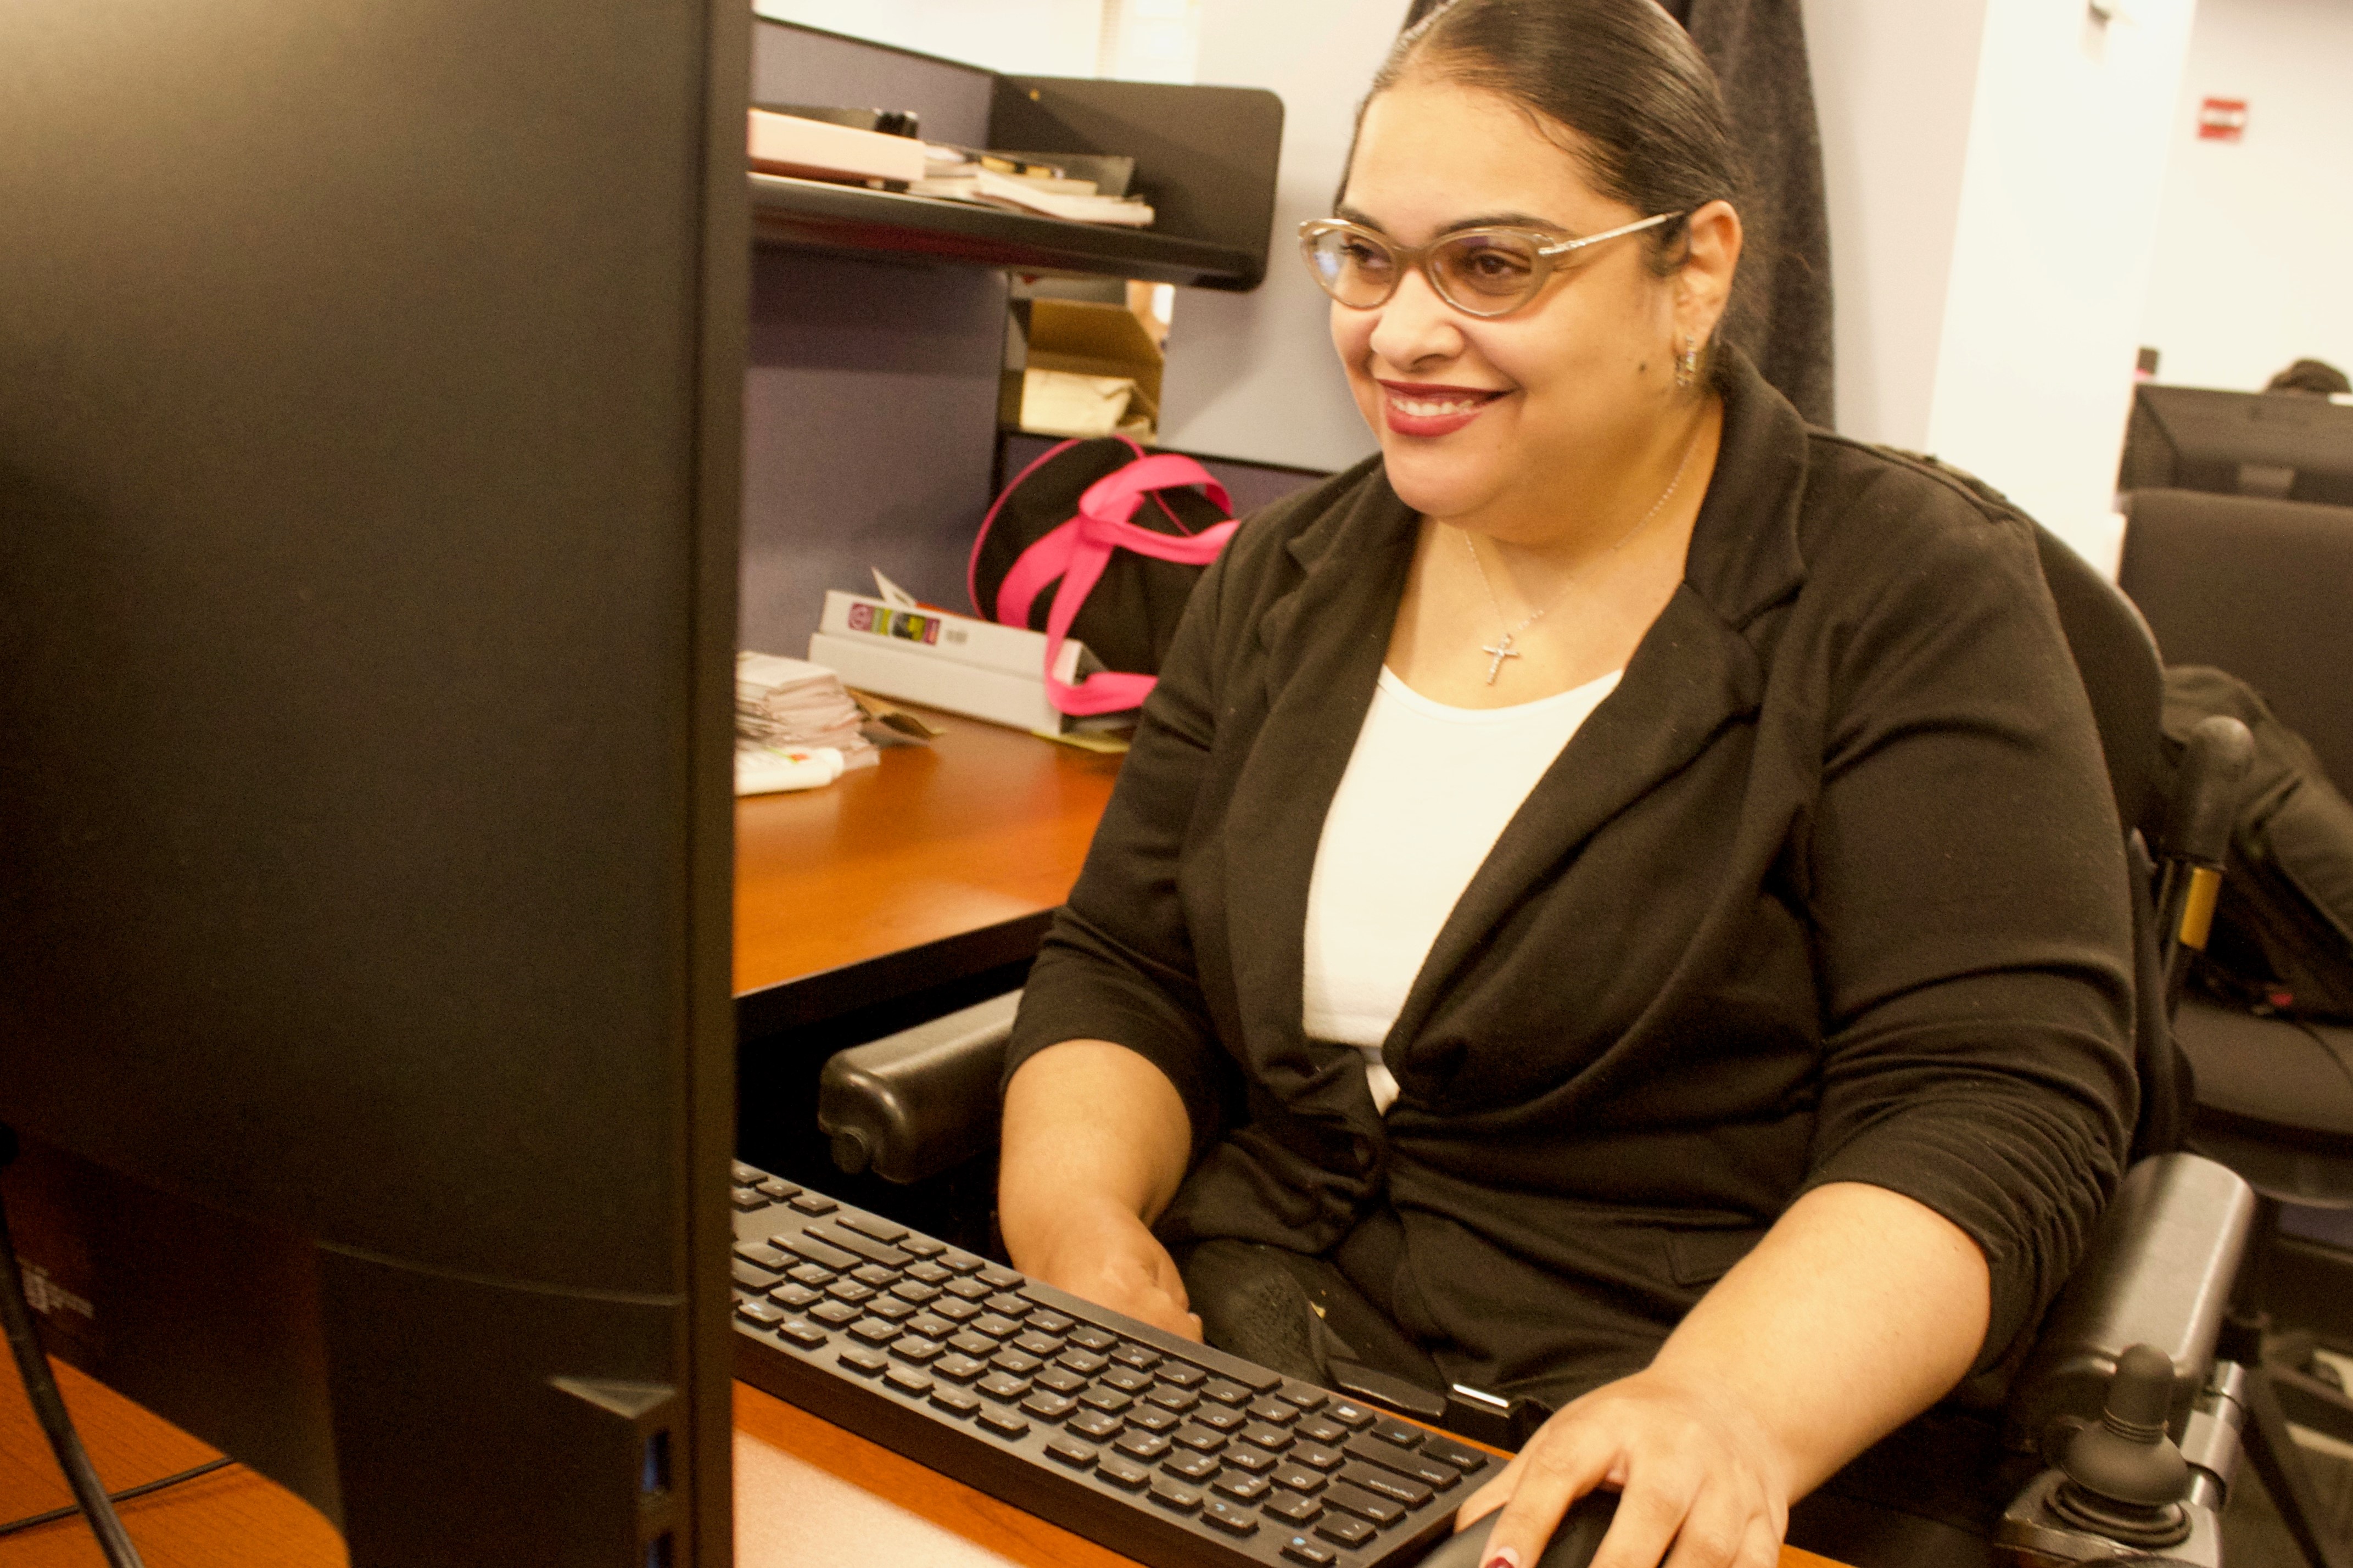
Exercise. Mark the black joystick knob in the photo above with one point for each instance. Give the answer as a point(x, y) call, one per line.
point(2126, 1479)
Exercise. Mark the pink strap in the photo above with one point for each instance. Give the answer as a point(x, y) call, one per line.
point(1078, 552)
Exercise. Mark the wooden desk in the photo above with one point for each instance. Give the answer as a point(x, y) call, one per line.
point(937, 864)
point(808, 1495)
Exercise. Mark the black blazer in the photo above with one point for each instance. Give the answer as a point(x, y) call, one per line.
point(1830, 889)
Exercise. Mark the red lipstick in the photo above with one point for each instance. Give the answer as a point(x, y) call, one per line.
point(1424, 408)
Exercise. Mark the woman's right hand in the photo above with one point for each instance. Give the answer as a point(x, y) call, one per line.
point(1104, 1254)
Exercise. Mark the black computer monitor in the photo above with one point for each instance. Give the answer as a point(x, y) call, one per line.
point(370, 378)
point(2285, 446)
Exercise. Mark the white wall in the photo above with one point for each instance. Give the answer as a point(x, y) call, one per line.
point(1025, 37)
point(1993, 319)
point(1253, 375)
point(2253, 235)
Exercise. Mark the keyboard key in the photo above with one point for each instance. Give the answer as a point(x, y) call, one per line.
point(802, 1333)
point(914, 1290)
point(849, 1291)
point(1135, 1355)
point(1470, 1461)
point(972, 1344)
point(1178, 1399)
point(890, 1307)
point(1046, 1321)
point(931, 1325)
point(950, 1307)
point(1151, 1418)
point(760, 1257)
point(1273, 1439)
point(1036, 1343)
point(962, 1263)
point(1142, 1445)
point(1345, 1531)
point(1173, 1495)
point(1227, 1392)
point(1397, 1489)
point(850, 1241)
point(767, 1314)
point(1110, 1401)
point(865, 1363)
point(1389, 1457)
point(916, 1348)
point(1292, 1509)
point(968, 1290)
point(1048, 1405)
point(1319, 1430)
point(1086, 1336)
point(1127, 1380)
point(810, 1204)
point(873, 1330)
point(1241, 1488)
point(839, 1314)
point(777, 1189)
point(1301, 1550)
point(1257, 1461)
point(1094, 1423)
point(928, 1271)
point(1297, 1479)
point(1363, 1504)
point(1315, 1455)
point(1258, 1380)
point(1001, 1278)
point(798, 1298)
point(922, 1246)
point(957, 1367)
point(1014, 1362)
point(816, 1251)
point(1125, 1473)
point(1071, 1452)
point(744, 1174)
point(1180, 1374)
point(1061, 1379)
point(955, 1400)
point(1086, 1364)
point(1273, 1412)
point(880, 1230)
point(908, 1381)
point(1200, 1439)
point(1355, 1418)
point(1003, 1385)
point(1305, 1396)
point(751, 1276)
point(747, 1199)
point(810, 1275)
point(1189, 1465)
point(995, 1326)
point(1225, 1516)
point(874, 1274)
point(1397, 1432)
point(1219, 1416)
point(1003, 1422)
point(1005, 1301)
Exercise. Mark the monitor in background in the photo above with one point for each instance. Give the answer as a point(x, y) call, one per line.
point(2284, 445)
point(370, 378)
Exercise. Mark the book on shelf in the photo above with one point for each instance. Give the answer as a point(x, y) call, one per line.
point(814, 149)
point(1024, 182)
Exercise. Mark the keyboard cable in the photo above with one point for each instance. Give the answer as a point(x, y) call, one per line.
point(48, 1405)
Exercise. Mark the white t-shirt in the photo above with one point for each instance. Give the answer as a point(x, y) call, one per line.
point(1428, 792)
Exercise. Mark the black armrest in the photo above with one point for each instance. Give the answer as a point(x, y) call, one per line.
point(912, 1104)
point(2158, 1272)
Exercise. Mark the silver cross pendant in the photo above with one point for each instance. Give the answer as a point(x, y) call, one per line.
point(1500, 651)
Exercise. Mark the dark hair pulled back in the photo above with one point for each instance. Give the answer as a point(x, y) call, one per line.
point(1622, 74)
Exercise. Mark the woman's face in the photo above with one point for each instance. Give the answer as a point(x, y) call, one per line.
point(1501, 422)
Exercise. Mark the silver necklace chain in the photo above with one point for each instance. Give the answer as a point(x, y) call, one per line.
point(1502, 648)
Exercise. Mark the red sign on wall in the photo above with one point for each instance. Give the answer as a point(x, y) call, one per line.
point(2222, 119)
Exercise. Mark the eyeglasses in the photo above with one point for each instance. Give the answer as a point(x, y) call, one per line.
point(1479, 271)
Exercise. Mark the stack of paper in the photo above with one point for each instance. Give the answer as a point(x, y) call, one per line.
point(789, 705)
point(998, 180)
point(812, 148)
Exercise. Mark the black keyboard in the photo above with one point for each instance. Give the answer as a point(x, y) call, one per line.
point(1162, 1449)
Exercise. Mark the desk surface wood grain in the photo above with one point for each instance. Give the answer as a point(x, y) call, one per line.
point(984, 825)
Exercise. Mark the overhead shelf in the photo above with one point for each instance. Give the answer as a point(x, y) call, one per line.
point(816, 215)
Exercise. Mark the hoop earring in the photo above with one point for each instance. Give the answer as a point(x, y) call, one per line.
point(1687, 364)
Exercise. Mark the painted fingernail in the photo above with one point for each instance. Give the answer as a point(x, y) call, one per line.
point(1504, 1557)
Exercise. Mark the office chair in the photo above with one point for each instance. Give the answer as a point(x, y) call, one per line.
point(2260, 588)
point(919, 1104)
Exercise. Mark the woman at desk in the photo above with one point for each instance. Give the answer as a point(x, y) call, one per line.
point(1616, 901)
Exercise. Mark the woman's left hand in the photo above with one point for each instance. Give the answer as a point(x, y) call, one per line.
point(1696, 1472)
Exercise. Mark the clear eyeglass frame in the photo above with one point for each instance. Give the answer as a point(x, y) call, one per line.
point(1320, 240)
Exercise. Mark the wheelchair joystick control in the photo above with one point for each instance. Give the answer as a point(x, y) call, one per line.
point(2126, 1479)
